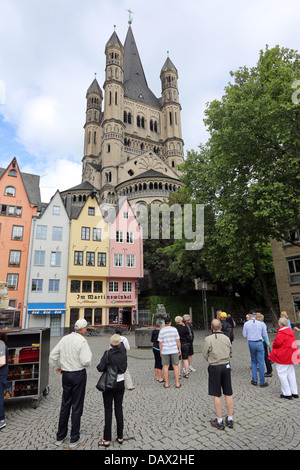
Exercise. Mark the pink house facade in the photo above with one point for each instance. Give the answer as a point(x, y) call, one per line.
point(125, 267)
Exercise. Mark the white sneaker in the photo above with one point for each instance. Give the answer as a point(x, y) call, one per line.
point(80, 441)
point(192, 369)
point(59, 443)
point(2, 424)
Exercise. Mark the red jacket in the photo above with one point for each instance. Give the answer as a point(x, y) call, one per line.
point(285, 349)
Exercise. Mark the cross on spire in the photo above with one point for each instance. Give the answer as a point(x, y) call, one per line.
point(130, 17)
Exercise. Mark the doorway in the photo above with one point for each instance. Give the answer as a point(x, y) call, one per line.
point(127, 316)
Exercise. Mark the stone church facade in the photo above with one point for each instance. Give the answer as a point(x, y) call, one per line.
point(133, 140)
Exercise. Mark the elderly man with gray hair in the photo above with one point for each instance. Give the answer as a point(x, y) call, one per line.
point(285, 354)
point(217, 351)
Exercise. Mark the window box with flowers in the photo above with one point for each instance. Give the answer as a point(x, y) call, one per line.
point(14, 263)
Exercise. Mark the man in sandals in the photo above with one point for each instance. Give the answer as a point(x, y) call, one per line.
point(170, 350)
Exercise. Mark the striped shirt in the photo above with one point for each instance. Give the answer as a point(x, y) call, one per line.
point(168, 336)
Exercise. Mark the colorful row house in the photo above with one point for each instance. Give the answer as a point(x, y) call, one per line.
point(19, 198)
point(105, 265)
point(66, 260)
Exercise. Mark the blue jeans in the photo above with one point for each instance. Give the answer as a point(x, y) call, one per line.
point(2, 388)
point(257, 354)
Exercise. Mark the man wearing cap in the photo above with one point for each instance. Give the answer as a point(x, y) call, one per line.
point(255, 332)
point(70, 357)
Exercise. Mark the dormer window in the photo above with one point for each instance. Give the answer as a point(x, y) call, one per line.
point(12, 173)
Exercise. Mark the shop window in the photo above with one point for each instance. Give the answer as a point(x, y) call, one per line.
point(113, 315)
point(88, 315)
point(98, 316)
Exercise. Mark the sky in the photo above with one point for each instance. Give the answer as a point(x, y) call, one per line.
point(50, 51)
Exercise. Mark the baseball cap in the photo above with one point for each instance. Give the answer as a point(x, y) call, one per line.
point(81, 323)
point(223, 315)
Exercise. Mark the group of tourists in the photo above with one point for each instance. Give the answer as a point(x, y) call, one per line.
point(172, 349)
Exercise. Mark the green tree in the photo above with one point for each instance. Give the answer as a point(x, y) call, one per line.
point(248, 172)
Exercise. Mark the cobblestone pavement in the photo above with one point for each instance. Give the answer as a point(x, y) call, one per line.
point(164, 419)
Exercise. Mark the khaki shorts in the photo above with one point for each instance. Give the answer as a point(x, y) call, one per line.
point(167, 359)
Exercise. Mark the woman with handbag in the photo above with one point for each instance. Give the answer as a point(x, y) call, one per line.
point(3, 375)
point(116, 359)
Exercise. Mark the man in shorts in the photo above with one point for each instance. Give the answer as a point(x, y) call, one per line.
point(217, 351)
point(170, 350)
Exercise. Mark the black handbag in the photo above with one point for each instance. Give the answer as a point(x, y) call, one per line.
point(108, 379)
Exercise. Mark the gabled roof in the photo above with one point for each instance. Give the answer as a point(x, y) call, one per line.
point(31, 185)
point(135, 82)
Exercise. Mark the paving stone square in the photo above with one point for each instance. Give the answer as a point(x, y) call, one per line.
point(158, 419)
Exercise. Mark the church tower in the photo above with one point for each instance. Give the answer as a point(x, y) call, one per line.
point(171, 120)
point(112, 123)
point(92, 135)
point(133, 139)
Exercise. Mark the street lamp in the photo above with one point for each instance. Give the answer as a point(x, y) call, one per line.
point(204, 302)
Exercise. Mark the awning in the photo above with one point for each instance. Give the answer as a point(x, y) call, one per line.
point(46, 308)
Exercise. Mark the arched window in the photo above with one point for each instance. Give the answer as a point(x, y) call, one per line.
point(10, 191)
point(125, 119)
point(138, 121)
point(129, 118)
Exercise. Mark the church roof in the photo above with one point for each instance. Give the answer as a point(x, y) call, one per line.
point(114, 39)
point(94, 88)
point(135, 82)
point(82, 187)
point(168, 65)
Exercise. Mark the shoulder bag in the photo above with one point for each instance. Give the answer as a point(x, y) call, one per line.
point(108, 379)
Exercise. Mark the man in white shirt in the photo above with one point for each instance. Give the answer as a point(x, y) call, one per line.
point(70, 357)
point(170, 350)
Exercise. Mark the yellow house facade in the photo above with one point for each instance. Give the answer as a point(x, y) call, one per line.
point(88, 265)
